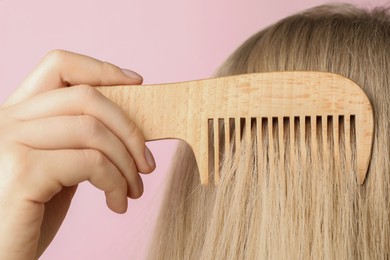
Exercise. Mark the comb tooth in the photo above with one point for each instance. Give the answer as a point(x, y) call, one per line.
point(285, 148)
point(302, 144)
point(271, 145)
point(227, 138)
point(222, 142)
point(204, 153)
point(281, 142)
point(336, 140)
point(341, 138)
point(330, 135)
point(259, 136)
point(361, 144)
point(347, 135)
point(216, 150)
point(248, 129)
point(292, 142)
point(308, 137)
point(211, 146)
point(238, 135)
point(248, 138)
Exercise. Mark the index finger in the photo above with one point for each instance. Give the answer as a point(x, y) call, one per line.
point(61, 68)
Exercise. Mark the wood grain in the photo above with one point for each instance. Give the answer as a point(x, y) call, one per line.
point(182, 110)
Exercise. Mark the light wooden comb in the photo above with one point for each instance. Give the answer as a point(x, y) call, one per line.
point(184, 110)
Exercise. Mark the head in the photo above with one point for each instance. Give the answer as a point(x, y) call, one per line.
point(308, 205)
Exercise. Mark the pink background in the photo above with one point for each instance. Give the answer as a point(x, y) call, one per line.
point(165, 41)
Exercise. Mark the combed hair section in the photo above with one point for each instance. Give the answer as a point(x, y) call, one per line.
point(290, 190)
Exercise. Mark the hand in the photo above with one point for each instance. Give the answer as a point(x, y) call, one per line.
point(56, 131)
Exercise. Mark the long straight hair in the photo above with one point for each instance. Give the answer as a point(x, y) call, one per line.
point(304, 203)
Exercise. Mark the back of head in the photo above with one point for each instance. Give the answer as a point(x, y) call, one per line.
point(304, 209)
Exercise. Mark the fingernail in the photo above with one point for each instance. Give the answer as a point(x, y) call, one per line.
point(131, 74)
point(149, 158)
point(140, 187)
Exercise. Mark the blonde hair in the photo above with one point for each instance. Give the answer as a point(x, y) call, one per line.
point(308, 207)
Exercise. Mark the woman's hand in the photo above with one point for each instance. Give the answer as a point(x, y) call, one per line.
point(56, 131)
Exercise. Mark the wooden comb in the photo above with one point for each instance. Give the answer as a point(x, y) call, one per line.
point(185, 110)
